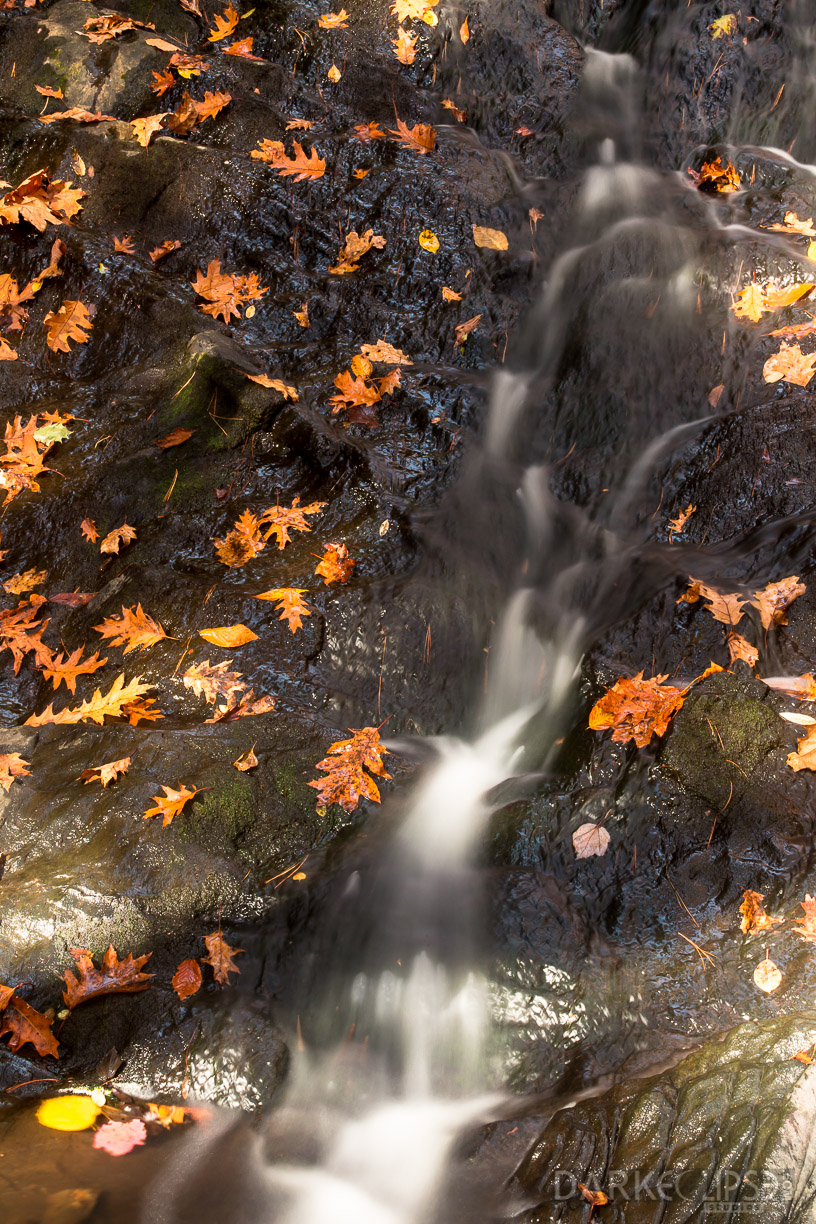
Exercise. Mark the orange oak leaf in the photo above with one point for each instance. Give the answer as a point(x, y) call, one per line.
point(677, 525)
point(354, 248)
point(777, 297)
point(242, 707)
point(450, 295)
point(791, 364)
point(223, 24)
point(806, 926)
point(166, 248)
point(162, 81)
point(740, 648)
point(171, 802)
point(213, 680)
point(715, 176)
point(105, 773)
point(220, 957)
point(187, 979)
point(120, 535)
point(773, 600)
point(27, 581)
point(145, 129)
point(243, 542)
point(345, 765)
point(134, 629)
point(113, 977)
point(212, 105)
point(174, 438)
point(7, 353)
point(242, 48)
point(421, 137)
point(21, 633)
point(795, 225)
point(112, 704)
point(385, 352)
point(725, 608)
point(71, 322)
point(53, 268)
point(412, 10)
point(805, 755)
point(336, 564)
point(754, 918)
point(12, 766)
point(459, 115)
point(225, 293)
point(333, 21)
point(228, 635)
point(301, 165)
point(634, 708)
point(67, 668)
point(280, 520)
point(40, 201)
point(299, 125)
point(353, 392)
point(79, 115)
point(368, 131)
point(111, 25)
point(302, 315)
point(292, 606)
point(124, 245)
point(23, 1025)
point(48, 92)
point(187, 66)
point(88, 529)
point(274, 384)
point(405, 46)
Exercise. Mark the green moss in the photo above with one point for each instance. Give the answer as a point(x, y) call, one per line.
point(224, 813)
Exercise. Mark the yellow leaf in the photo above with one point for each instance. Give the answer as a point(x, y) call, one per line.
point(495, 239)
point(723, 25)
point(228, 635)
point(68, 1113)
point(429, 241)
point(334, 74)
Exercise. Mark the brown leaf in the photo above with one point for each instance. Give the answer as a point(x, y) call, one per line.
point(166, 248)
point(78, 114)
point(223, 25)
point(383, 351)
point(301, 165)
point(450, 295)
point(355, 246)
point(302, 315)
point(421, 137)
point(111, 25)
point(791, 364)
point(71, 322)
point(12, 766)
point(162, 81)
point(773, 600)
point(299, 125)
point(48, 92)
point(717, 177)
point(67, 668)
point(333, 21)
point(336, 565)
point(187, 979)
point(170, 803)
point(346, 781)
point(767, 976)
point(596, 1197)
point(228, 635)
point(274, 384)
point(220, 957)
point(120, 535)
point(124, 245)
point(226, 292)
point(494, 239)
point(105, 773)
point(212, 681)
point(677, 525)
point(247, 760)
point(24, 1025)
point(112, 704)
point(725, 608)
point(794, 225)
point(114, 977)
point(40, 201)
point(243, 48)
point(740, 648)
point(463, 330)
point(174, 438)
point(134, 629)
point(242, 707)
point(806, 926)
point(805, 755)
point(754, 918)
point(292, 606)
point(405, 46)
point(590, 839)
point(27, 581)
point(459, 115)
point(368, 131)
point(88, 529)
point(280, 520)
point(145, 129)
point(636, 709)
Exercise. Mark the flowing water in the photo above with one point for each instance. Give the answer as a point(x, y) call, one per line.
point(603, 400)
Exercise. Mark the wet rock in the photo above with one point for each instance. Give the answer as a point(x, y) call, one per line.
point(718, 1129)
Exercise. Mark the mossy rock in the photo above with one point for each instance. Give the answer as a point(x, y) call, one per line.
point(721, 740)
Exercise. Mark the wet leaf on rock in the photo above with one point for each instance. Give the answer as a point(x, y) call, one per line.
point(187, 979)
point(590, 839)
point(336, 564)
point(291, 605)
point(806, 926)
point(171, 803)
point(134, 629)
point(114, 539)
point(24, 1025)
point(12, 766)
point(767, 976)
point(220, 956)
point(71, 322)
point(634, 708)
point(105, 773)
point(228, 635)
point(493, 239)
point(68, 1113)
point(345, 765)
point(754, 918)
point(301, 165)
point(114, 976)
